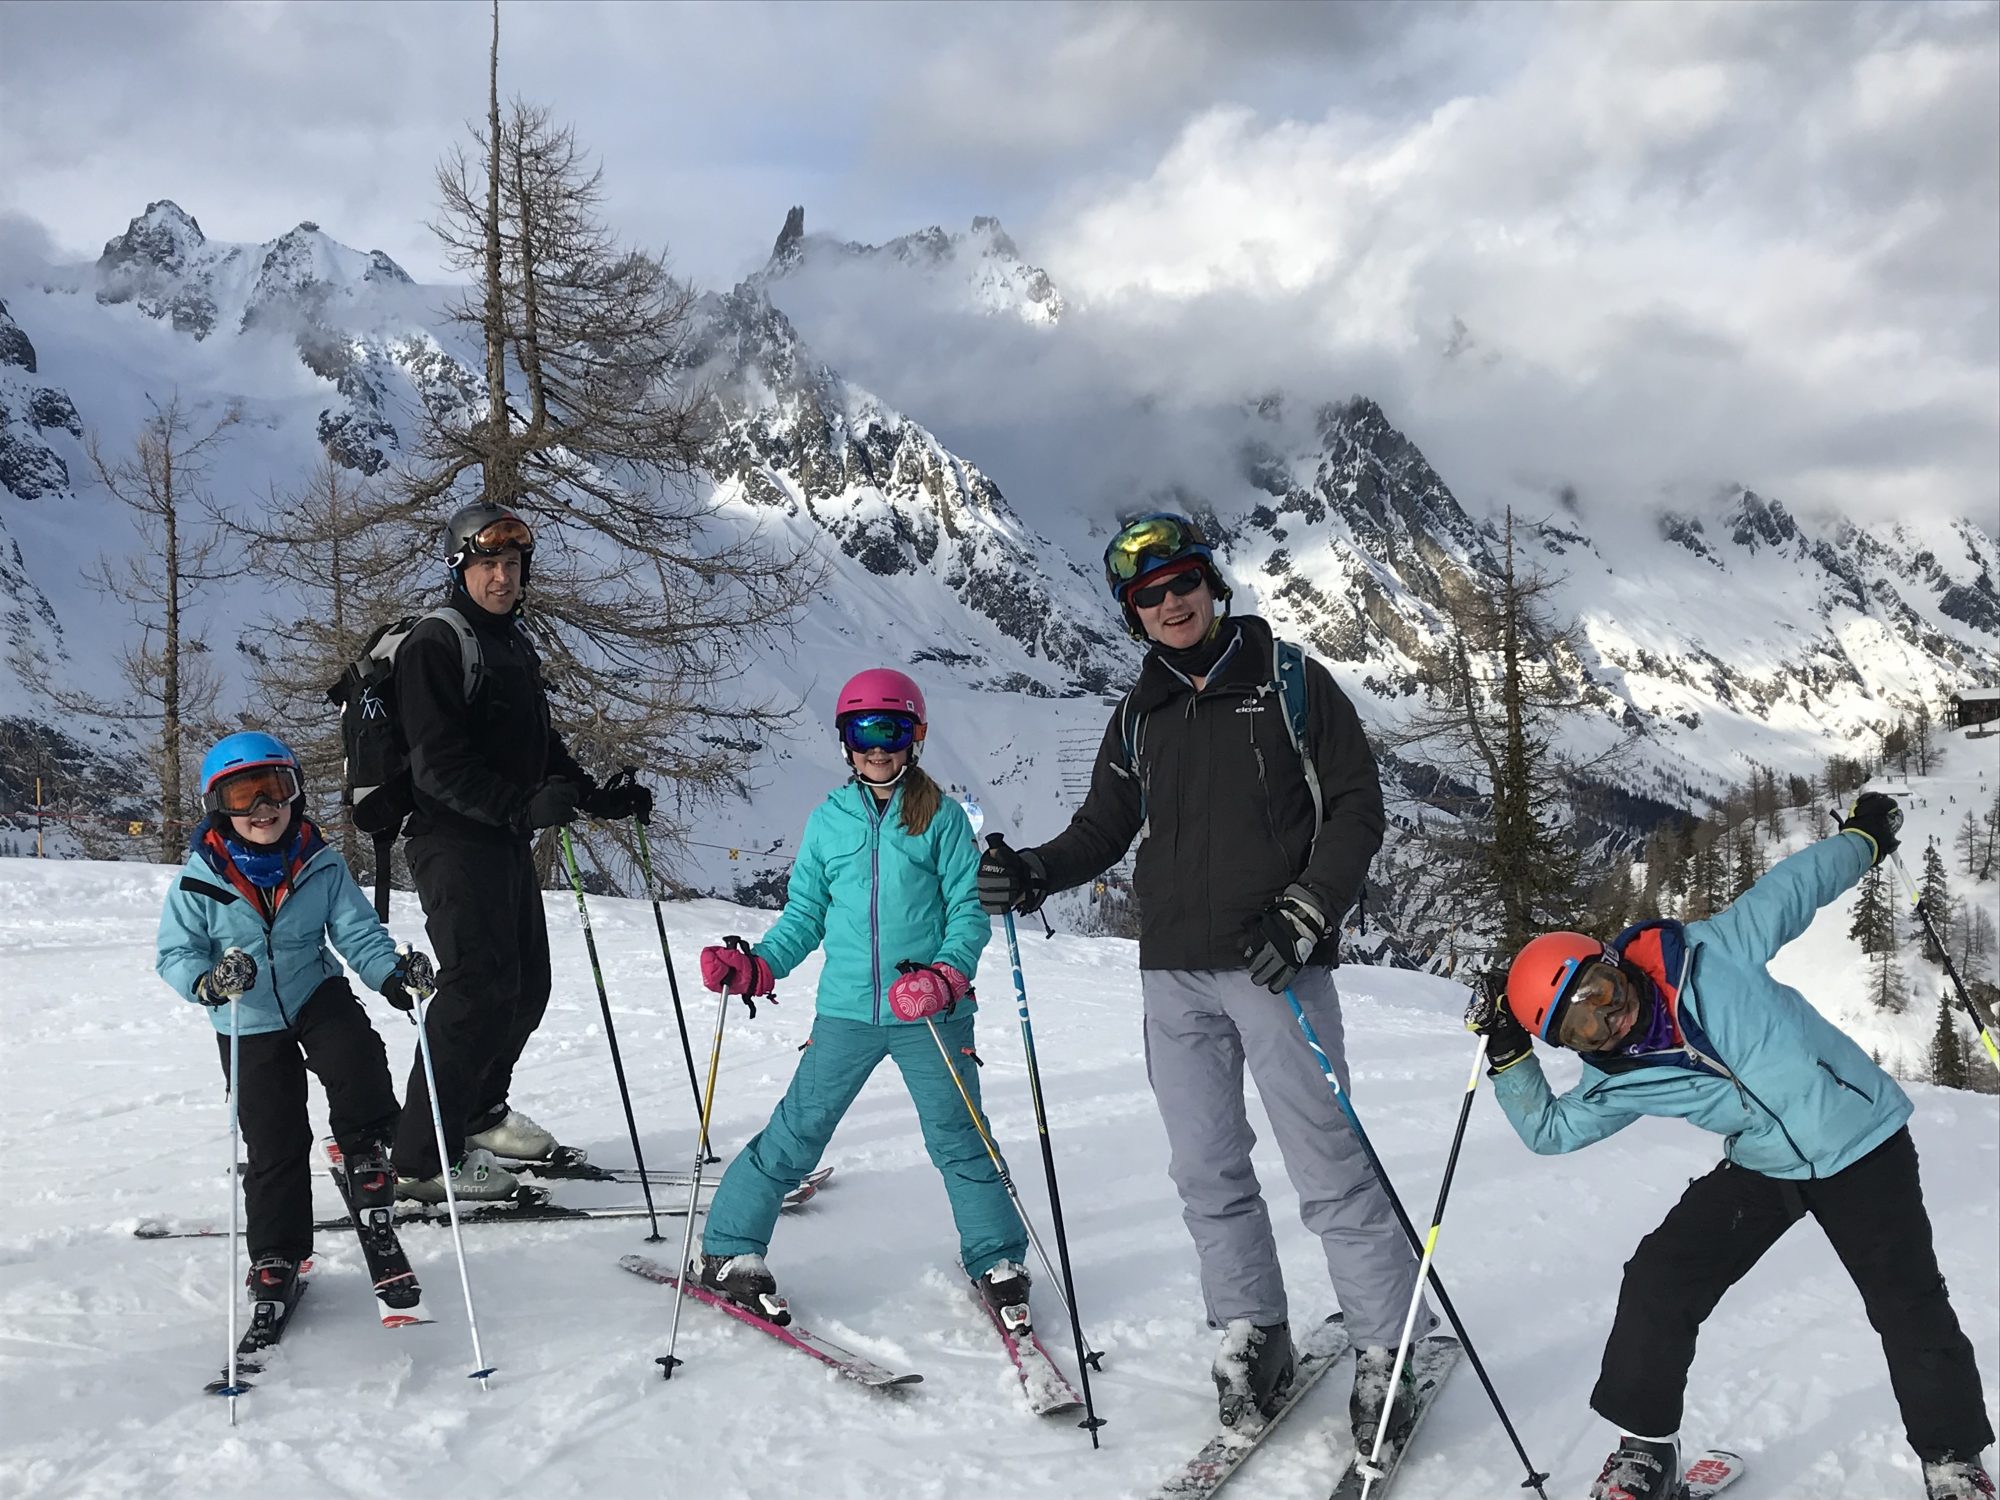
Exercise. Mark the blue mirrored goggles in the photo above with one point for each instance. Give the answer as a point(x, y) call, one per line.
point(878, 731)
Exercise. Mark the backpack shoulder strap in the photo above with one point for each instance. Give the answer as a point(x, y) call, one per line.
point(1131, 726)
point(468, 645)
point(1289, 667)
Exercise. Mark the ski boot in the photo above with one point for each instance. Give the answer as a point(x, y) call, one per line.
point(746, 1281)
point(1369, 1398)
point(514, 1135)
point(477, 1178)
point(371, 1181)
point(1640, 1469)
point(1253, 1369)
point(1949, 1477)
point(273, 1278)
point(1004, 1289)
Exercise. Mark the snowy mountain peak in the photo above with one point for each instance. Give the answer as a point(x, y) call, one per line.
point(164, 236)
point(990, 264)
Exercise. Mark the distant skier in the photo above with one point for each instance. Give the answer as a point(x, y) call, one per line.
point(1251, 849)
point(250, 920)
point(1683, 1020)
point(884, 876)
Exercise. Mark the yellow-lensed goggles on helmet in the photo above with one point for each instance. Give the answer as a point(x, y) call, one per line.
point(1147, 543)
point(498, 536)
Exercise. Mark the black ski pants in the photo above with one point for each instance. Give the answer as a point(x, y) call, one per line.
point(332, 1038)
point(1873, 1214)
point(483, 911)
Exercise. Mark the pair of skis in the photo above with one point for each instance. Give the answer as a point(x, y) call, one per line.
point(398, 1297)
point(1431, 1361)
point(1047, 1389)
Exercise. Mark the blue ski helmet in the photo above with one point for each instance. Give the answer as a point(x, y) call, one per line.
point(243, 752)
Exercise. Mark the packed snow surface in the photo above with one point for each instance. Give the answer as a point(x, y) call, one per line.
point(112, 1110)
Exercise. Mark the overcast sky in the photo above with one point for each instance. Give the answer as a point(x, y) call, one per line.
point(1639, 249)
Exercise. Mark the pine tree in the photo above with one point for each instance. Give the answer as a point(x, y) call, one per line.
point(1746, 859)
point(1949, 1063)
point(1935, 894)
point(1874, 928)
point(1967, 842)
point(1975, 942)
point(1886, 986)
point(1708, 876)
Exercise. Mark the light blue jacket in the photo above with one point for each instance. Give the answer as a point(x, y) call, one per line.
point(207, 913)
point(874, 895)
point(1794, 1095)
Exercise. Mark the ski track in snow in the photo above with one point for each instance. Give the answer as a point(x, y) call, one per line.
point(111, 1109)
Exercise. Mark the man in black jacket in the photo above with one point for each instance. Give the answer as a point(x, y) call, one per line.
point(487, 770)
point(1240, 897)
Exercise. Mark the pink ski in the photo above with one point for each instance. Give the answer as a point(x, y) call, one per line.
point(1048, 1390)
point(855, 1367)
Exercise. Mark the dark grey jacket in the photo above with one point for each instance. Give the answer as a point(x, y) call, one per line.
point(1228, 820)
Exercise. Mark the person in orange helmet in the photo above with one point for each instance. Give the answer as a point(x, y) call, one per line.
point(1685, 1020)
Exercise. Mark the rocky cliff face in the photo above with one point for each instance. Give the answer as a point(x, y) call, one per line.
point(983, 262)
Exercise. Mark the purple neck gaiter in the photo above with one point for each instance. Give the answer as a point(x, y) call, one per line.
point(1655, 1029)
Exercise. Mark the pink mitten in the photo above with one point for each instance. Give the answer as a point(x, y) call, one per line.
point(926, 990)
point(743, 973)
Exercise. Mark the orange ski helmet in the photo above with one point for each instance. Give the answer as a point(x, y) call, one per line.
point(1542, 976)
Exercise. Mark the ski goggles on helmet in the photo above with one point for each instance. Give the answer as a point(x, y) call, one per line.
point(497, 536)
point(242, 793)
point(1146, 544)
point(1592, 984)
point(878, 731)
point(1181, 582)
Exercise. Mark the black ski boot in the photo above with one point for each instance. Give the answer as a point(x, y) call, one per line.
point(1253, 1369)
point(371, 1180)
point(1640, 1469)
point(273, 1278)
point(1370, 1395)
point(746, 1281)
point(1004, 1288)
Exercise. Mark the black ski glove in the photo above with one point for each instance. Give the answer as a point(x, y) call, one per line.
point(1281, 937)
point(618, 799)
point(1011, 879)
point(1507, 1039)
point(231, 978)
point(1877, 818)
point(553, 804)
point(412, 979)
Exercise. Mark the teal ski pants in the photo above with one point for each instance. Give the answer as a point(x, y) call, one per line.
point(836, 1063)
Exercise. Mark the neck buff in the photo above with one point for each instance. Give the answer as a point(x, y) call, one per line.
point(264, 865)
point(1201, 658)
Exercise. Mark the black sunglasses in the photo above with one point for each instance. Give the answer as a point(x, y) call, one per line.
point(1150, 595)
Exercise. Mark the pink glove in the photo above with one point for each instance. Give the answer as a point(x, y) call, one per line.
point(926, 990)
point(744, 973)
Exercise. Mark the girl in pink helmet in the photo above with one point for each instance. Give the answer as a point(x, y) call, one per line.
point(884, 882)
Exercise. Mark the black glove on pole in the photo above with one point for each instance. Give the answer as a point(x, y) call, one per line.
point(1507, 1040)
point(1877, 818)
point(1281, 938)
point(553, 804)
point(1010, 879)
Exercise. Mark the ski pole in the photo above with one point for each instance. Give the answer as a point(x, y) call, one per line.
point(231, 1387)
point(1372, 1469)
point(1535, 1476)
point(420, 1018)
point(673, 983)
point(1981, 1016)
point(668, 1361)
point(1091, 1361)
point(1085, 1354)
point(610, 1032)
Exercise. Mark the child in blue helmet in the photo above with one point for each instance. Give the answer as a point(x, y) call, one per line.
point(245, 934)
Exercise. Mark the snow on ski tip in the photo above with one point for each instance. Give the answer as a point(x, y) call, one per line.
point(856, 1367)
point(1709, 1473)
point(1047, 1388)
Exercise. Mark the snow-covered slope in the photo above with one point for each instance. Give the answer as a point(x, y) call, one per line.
point(111, 1109)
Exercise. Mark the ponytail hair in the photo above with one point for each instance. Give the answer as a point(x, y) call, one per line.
point(921, 799)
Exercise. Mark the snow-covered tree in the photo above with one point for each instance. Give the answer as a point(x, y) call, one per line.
point(1948, 1059)
point(1874, 925)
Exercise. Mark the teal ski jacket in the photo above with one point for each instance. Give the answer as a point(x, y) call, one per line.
point(1792, 1094)
point(211, 909)
point(874, 896)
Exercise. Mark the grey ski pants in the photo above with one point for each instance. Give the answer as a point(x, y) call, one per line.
point(1202, 1026)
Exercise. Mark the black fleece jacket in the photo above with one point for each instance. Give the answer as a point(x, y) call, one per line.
point(1227, 821)
point(474, 766)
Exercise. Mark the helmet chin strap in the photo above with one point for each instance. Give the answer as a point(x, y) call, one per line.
point(848, 756)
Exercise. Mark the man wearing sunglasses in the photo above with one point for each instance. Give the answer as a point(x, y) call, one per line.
point(1250, 850)
point(1685, 1020)
point(487, 771)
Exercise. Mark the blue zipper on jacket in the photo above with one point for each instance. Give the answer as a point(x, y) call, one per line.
point(875, 809)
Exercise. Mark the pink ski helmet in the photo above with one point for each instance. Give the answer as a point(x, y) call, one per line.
point(880, 690)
